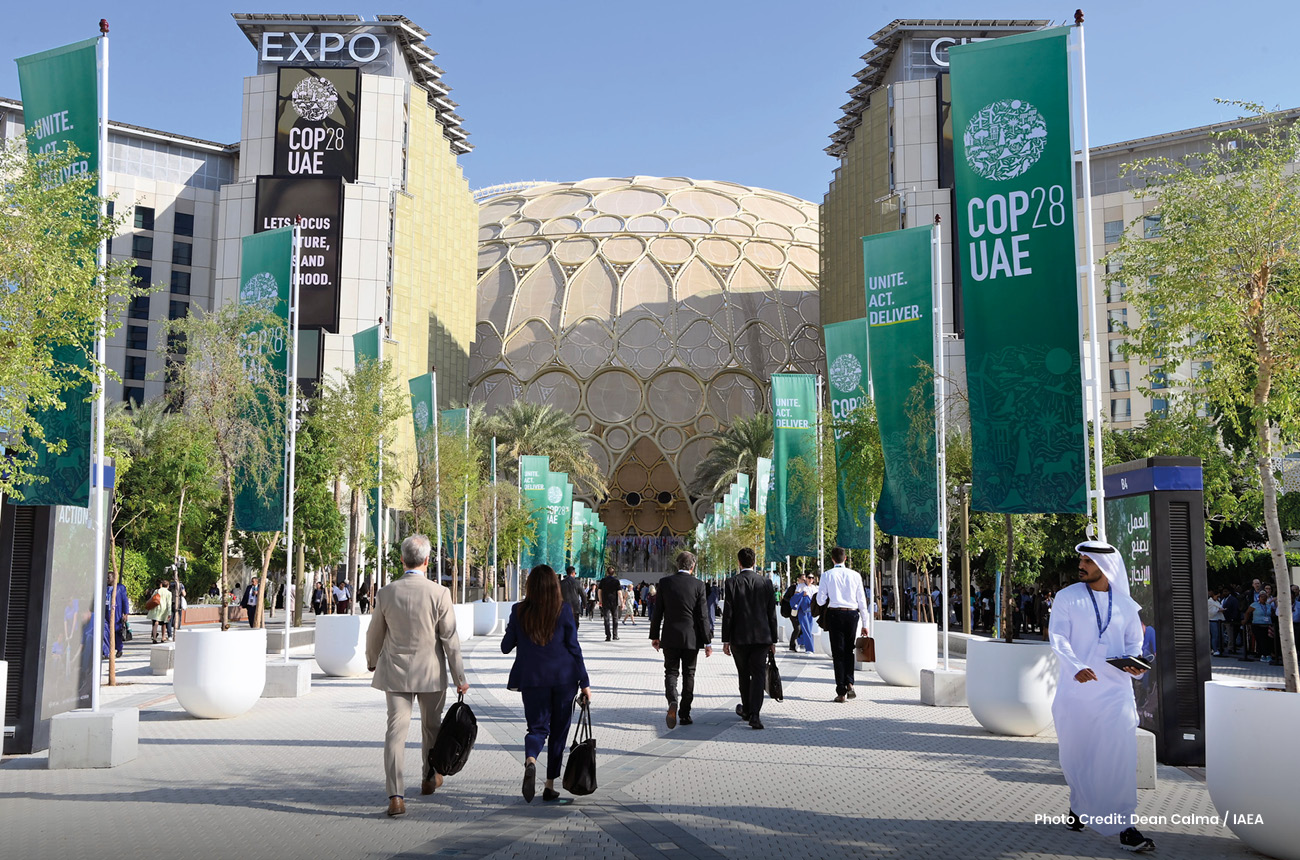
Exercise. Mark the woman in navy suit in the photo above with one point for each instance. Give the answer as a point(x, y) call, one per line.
point(548, 670)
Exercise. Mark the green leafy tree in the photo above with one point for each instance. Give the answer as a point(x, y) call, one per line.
point(543, 431)
point(319, 528)
point(1220, 286)
point(736, 449)
point(54, 297)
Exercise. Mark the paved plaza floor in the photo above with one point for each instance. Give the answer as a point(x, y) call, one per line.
point(881, 776)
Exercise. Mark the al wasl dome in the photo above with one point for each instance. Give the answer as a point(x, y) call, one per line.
point(654, 310)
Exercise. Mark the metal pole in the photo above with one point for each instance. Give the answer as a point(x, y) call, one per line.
point(101, 355)
point(940, 425)
point(519, 549)
point(464, 577)
point(437, 477)
point(379, 476)
point(494, 512)
point(1089, 268)
point(965, 559)
point(821, 508)
point(291, 387)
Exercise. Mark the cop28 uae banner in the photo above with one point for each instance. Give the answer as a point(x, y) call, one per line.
point(265, 272)
point(533, 472)
point(900, 332)
point(366, 347)
point(421, 388)
point(846, 365)
point(61, 108)
point(557, 517)
point(792, 505)
point(1015, 229)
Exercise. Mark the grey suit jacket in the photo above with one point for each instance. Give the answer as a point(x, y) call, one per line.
point(412, 640)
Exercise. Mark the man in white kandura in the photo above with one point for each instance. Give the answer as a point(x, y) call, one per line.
point(1092, 621)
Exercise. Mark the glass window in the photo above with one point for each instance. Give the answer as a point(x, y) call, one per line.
point(1120, 409)
point(176, 342)
point(1117, 349)
point(1159, 378)
point(135, 367)
point(1151, 226)
point(178, 310)
point(1119, 380)
point(143, 218)
point(143, 275)
point(137, 337)
point(139, 308)
point(181, 283)
point(133, 394)
point(142, 247)
point(111, 209)
point(184, 225)
point(1116, 319)
point(182, 253)
point(1202, 367)
point(1116, 291)
point(1160, 405)
point(1113, 231)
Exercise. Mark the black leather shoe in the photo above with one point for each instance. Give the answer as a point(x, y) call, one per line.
point(740, 712)
point(530, 782)
point(850, 694)
point(685, 719)
point(755, 723)
point(550, 795)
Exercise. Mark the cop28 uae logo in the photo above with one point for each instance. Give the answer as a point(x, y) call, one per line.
point(554, 495)
point(314, 98)
point(1004, 139)
point(261, 289)
point(422, 416)
point(846, 373)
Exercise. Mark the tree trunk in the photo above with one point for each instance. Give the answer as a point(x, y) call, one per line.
point(180, 510)
point(300, 592)
point(898, 595)
point(1277, 546)
point(266, 582)
point(225, 543)
point(354, 540)
point(1007, 632)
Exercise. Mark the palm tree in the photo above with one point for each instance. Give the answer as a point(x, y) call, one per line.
point(737, 449)
point(544, 431)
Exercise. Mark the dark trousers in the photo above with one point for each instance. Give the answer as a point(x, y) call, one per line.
point(843, 632)
point(609, 616)
point(751, 666)
point(577, 613)
point(548, 711)
point(795, 630)
point(252, 615)
point(680, 661)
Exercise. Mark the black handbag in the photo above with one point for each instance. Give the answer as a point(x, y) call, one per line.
point(455, 739)
point(773, 685)
point(580, 770)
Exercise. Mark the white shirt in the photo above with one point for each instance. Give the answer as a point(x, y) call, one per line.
point(1216, 610)
point(842, 587)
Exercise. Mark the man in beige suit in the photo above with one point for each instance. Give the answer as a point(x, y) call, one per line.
point(411, 644)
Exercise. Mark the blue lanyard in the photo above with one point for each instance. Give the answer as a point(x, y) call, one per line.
point(1110, 605)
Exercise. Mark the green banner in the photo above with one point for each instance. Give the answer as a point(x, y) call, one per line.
point(265, 272)
point(1014, 177)
point(61, 108)
point(602, 535)
point(764, 475)
point(557, 516)
point(900, 333)
point(454, 423)
point(847, 372)
point(365, 347)
point(578, 540)
point(533, 472)
point(742, 493)
point(792, 507)
point(421, 388)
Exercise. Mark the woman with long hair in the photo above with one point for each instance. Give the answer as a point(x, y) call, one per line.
point(548, 671)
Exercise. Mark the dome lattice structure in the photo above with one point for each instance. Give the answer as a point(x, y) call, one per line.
point(652, 309)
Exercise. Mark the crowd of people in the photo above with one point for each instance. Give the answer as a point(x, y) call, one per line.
point(1244, 621)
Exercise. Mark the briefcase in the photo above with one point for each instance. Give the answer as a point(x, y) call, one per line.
point(580, 770)
point(455, 739)
point(773, 685)
point(866, 649)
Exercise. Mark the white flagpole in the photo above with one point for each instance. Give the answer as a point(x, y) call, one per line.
point(379, 477)
point(101, 353)
point(877, 592)
point(494, 514)
point(464, 577)
point(291, 390)
point(1088, 267)
point(940, 423)
point(437, 474)
point(821, 507)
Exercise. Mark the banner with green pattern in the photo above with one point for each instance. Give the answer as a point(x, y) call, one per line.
point(792, 507)
point(900, 333)
point(847, 372)
point(365, 348)
point(533, 472)
point(556, 519)
point(764, 475)
point(1013, 155)
point(421, 388)
point(453, 425)
point(265, 271)
point(61, 108)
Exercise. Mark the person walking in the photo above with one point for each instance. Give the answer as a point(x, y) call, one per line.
point(160, 612)
point(571, 591)
point(680, 628)
point(629, 605)
point(1215, 604)
point(411, 645)
point(548, 670)
point(1094, 710)
point(1231, 617)
point(116, 608)
point(252, 593)
point(317, 598)
point(801, 615)
point(841, 592)
point(342, 598)
point(611, 602)
point(749, 632)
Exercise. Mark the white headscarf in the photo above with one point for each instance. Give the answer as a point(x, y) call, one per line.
point(1112, 564)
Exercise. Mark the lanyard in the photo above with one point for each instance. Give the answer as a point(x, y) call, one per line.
point(1110, 605)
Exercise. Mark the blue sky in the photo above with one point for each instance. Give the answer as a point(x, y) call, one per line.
point(711, 89)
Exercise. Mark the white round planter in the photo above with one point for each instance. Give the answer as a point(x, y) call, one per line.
point(1239, 780)
point(464, 620)
point(903, 649)
point(219, 674)
point(485, 617)
point(1010, 688)
point(341, 645)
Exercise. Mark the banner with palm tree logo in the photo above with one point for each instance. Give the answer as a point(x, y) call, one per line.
point(847, 364)
point(792, 508)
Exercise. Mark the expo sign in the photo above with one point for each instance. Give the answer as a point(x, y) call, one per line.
point(361, 48)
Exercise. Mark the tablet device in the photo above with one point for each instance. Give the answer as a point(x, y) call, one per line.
point(1130, 663)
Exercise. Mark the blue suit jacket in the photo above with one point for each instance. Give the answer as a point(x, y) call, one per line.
point(558, 663)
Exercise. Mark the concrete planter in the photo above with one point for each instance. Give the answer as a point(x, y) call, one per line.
point(1010, 688)
point(341, 645)
point(219, 674)
point(485, 617)
point(464, 620)
point(503, 609)
point(1237, 782)
point(903, 649)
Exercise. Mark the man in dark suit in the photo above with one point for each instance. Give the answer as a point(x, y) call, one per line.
point(749, 632)
point(611, 601)
point(680, 627)
point(571, 593)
